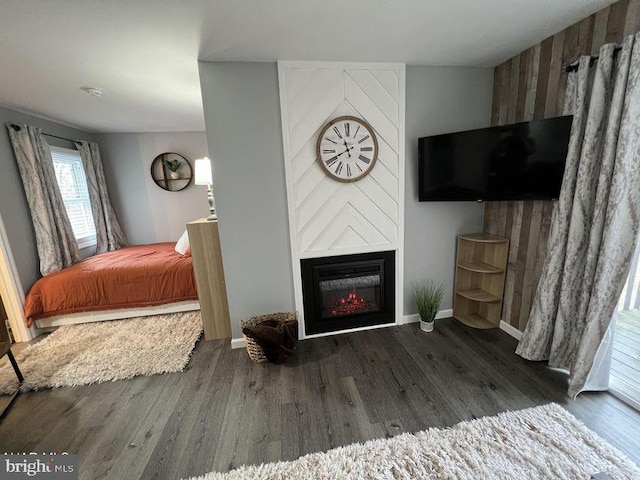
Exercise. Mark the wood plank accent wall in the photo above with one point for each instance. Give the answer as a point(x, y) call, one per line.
point(531, 86)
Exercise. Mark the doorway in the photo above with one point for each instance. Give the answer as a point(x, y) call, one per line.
point(11, 291)
point(624, 379)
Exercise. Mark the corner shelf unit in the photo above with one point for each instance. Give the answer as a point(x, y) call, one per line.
point(481, 266)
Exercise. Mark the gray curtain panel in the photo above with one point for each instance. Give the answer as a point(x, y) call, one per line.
point(596, 220)
point(109, 234)
point(56, 243)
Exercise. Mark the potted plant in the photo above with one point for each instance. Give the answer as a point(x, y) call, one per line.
point(428, 296)
point(174, 167)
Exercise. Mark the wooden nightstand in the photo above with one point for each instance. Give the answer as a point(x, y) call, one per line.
point(209, 273)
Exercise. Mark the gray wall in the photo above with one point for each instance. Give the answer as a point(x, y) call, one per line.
point(241, 104)
point(242, 115)
point(13, 203)
point(147, 213)
point(439, 100)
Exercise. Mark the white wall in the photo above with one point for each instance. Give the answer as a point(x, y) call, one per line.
point(439, 100)
point(148, 213)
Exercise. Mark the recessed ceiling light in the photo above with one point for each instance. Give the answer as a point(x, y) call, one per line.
point(95, 91)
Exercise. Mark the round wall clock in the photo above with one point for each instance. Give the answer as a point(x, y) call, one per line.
point(347, 148)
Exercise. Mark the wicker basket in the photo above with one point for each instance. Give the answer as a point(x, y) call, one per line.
point(255, 351)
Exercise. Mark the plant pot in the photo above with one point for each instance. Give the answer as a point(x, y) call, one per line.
point(426, 326)
point(174, 175)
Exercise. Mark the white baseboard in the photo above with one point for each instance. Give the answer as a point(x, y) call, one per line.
point(239, 342)
point(416, 317)
point(513, 331)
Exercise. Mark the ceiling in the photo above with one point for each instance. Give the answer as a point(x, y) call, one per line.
point(144, 53)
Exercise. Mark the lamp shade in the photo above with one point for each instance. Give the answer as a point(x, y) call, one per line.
point(203, 172)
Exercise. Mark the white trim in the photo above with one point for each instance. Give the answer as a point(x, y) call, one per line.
point(351, 330)
point(293, 241)
point(415, 317)
point(340, 65)
point(239, 342)
point(12, 292)
point(625, 392)
point(348, 251)
point(402, 144)
point(513, 331)
point(119, 314)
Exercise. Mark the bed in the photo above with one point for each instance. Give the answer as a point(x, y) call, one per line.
point(129, 282)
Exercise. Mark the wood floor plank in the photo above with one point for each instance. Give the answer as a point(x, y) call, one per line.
point(204, 436)
point(175, 442)
point(225, 411)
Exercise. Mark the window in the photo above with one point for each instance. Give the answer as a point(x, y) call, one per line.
point(75, 194)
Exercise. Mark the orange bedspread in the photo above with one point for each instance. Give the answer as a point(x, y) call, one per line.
point(139, 276)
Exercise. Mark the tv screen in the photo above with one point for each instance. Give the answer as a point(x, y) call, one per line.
point(523, 161)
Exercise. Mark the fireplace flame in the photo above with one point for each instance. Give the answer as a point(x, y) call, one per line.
point(352, 304)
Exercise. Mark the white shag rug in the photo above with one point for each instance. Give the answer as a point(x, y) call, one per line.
point(106, 351)
point(544, 442)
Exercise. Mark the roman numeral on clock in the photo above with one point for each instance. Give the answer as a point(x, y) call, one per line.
point(364, 159)
point(356, 132)
point(339, 168)
point(327, 138)
point(331, 161)
point(366, 149)
point(346, 129)
point(348, 170)
point(363, 139)
point(326, 150)
point(335, 129)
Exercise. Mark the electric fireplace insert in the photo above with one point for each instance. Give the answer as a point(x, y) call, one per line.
point(348, 291)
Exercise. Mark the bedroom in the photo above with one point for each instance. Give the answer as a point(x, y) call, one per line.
point(213, 80)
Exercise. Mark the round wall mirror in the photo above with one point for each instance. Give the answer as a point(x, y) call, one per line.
point(171, 171)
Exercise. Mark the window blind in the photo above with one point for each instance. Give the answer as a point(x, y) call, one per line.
point(75, 194)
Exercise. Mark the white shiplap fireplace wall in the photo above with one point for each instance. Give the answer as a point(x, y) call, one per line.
point(326, 217)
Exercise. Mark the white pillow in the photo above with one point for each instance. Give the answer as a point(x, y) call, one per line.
point(182, 246)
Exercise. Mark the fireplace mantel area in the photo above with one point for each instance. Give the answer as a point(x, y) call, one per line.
point(346, 236)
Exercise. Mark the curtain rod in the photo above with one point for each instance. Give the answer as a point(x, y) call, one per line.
point(18, 127)
point(61, 138)
point(594, 59)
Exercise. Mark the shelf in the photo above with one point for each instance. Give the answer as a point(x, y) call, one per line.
point(480, 267)
point(478, 295)
point(483, 238)
point(475, 320)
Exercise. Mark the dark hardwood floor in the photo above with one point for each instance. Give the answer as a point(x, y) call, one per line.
point(225, 411)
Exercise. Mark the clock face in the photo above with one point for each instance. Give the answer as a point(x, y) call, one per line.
point(347, 148)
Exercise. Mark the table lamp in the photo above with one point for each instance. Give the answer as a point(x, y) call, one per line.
point(203, 177)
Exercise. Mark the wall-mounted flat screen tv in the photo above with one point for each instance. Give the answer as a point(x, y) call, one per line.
point(523, 161)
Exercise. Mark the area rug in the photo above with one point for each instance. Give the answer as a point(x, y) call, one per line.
point(536, 443)
point(106, 351)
